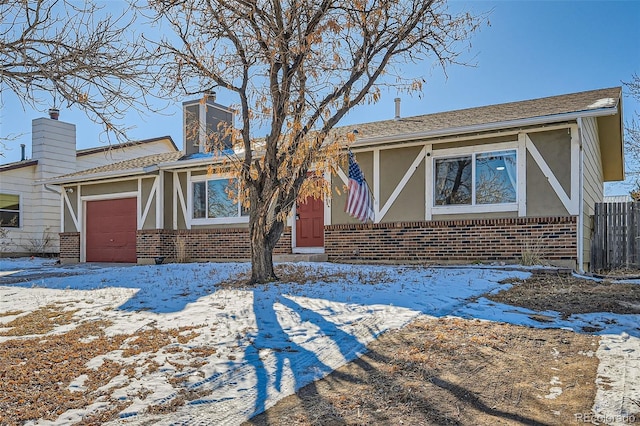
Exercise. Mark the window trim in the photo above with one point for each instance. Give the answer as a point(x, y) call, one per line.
point(217, 220)
point(473, 151)
point(20, 210)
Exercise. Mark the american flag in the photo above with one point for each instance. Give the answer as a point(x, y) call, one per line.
point(359, 201)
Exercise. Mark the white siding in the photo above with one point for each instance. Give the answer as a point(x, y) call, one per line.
point(33, 226)
point(54, 147)
point(593, 180)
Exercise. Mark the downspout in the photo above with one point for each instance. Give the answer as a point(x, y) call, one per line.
point(55, 190)
point(580, 201)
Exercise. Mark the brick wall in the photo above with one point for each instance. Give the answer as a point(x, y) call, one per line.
point(219, 244)
point(69, 247)
point(455, 241)
point(553, 239)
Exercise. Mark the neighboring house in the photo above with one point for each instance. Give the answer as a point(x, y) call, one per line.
point(617, 199)
point(484, 184)
point(29, 209)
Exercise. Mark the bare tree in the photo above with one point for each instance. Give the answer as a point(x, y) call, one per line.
point(632, 135)
point(297, 67)
point(63, 52)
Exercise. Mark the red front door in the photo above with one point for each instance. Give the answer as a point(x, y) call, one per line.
point(310, 223)
point(111, 230)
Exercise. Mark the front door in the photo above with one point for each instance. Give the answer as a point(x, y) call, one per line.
point(310, 223)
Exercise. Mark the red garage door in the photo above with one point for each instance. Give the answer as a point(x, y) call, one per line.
point(111, 230)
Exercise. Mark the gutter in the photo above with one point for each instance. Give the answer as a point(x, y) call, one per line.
point(96, 176)
point(146, 170)
point(203, 161)
point(533, 121)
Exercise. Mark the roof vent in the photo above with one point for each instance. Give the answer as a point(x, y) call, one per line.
point(397, 101)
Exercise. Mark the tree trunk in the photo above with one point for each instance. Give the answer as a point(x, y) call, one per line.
point(263, 241)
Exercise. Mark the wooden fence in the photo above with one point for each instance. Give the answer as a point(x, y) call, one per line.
point(616, 237)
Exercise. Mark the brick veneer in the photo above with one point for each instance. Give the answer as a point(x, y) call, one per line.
point(218, 244)
point(455, 241)
point(443, 241)
point(69, 247)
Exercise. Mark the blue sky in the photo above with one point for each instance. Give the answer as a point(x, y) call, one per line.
point(531, 49)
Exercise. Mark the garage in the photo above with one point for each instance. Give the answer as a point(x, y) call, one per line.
point(111, 230)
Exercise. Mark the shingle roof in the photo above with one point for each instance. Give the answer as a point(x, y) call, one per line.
point(127, 165)
point(552, 107)
point(543, 107)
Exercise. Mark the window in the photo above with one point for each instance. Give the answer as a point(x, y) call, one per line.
point(9, 210)
point(453, 181)
point(211, 202)
point(487, 178)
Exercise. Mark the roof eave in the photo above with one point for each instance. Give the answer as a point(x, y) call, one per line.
point(103, 149)
point(96, 176)
point(204, 161)
point(18, 165)
point(485, 127)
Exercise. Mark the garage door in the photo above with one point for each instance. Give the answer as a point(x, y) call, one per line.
point(111, 230)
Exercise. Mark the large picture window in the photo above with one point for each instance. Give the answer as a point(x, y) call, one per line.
point(476, 179)
point(9, 210)
point(211, 201)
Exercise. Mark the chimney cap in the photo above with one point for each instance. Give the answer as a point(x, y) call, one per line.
point(54, 113)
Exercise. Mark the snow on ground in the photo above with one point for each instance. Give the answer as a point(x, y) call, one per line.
point(271, 340)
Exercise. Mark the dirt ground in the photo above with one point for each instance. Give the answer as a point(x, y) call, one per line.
point(499, 374)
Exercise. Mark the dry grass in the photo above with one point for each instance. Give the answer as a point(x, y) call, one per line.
point(461, 372)
point(181, 250)
point(571, 295)
point(452, 372)
point(304, 274)
point(37, 370)
point(40, 321)
point(533, 253)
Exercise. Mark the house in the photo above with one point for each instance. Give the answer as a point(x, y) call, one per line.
point(486, 184)
point(30, 209)
point(617, 199)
